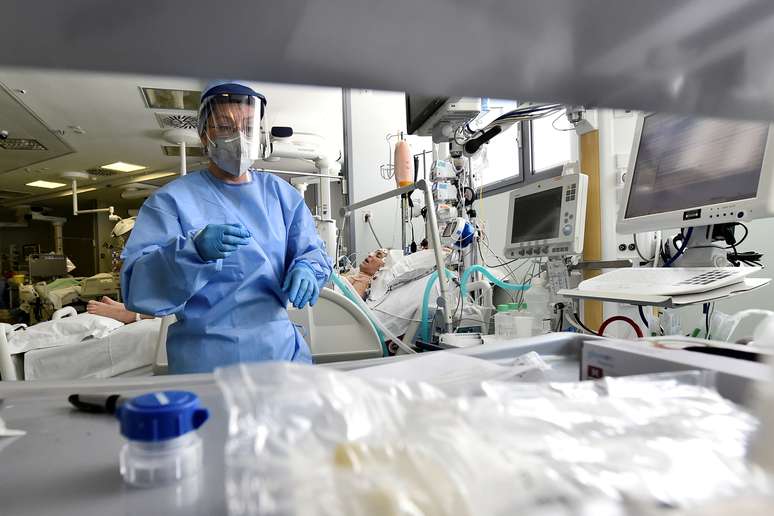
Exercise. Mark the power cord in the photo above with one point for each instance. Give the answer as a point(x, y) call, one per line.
point(639, 253)
point(679, 250)
point(580, 323)
point(368, 221)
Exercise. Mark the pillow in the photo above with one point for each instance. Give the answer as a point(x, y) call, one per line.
point(399, 269)
point(68, 330)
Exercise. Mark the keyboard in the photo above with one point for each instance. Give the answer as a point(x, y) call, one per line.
point(666, 281)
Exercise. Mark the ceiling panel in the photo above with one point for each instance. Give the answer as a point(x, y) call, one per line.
point(29, 141)
point(88, 119)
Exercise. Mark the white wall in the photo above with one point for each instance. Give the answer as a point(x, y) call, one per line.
point(616, 137)
point(374, 115)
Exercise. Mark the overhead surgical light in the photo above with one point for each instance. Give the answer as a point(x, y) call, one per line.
point(73, 177)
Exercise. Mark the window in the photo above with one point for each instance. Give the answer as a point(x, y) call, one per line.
point(551, 145)
point(503, 158)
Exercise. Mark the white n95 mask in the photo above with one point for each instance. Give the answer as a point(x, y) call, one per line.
point(231, 154)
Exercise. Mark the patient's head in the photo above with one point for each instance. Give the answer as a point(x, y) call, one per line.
point(373, 262)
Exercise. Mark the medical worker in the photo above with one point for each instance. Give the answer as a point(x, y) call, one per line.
point(224, 249)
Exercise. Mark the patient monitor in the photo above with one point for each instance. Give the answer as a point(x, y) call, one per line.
point(686, 171)
point(548, 218)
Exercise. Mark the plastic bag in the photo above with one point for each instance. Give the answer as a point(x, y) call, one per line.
point(313, 441)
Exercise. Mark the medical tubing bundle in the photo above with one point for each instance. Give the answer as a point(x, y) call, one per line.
point(424, 328)
point(355, 298)
point(423, 324)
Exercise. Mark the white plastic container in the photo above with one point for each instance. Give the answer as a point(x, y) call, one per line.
point(146, 464)
point(511, 322)
point(538, 298)
point(162, 444)
point(523, 324)
point(504, 323)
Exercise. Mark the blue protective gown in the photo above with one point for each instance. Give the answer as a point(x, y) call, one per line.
point(233, 309)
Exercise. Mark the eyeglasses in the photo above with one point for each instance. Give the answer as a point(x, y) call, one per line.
point(229, 127)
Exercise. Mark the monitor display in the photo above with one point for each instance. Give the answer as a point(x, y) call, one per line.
point(419, 109)
point(686, 162)
point(537, 216)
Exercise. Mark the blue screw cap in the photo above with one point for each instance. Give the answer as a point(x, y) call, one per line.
point(159, 416)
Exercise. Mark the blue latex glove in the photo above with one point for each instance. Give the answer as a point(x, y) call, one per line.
point(220, 240)
point(301, 286)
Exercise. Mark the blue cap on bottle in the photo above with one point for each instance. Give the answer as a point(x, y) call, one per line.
point(159, 416)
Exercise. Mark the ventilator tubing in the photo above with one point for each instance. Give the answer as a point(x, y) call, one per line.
point(354, 297)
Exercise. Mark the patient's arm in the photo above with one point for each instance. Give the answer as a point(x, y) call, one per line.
point(107, 307)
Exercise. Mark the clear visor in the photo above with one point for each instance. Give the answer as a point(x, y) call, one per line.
point(228, 118)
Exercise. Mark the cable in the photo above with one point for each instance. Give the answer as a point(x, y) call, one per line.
point(338, 240)
point(502, 264)
point(561, 318)
point(583, 326)
point(410, 319)
point(553, 123)
point(645, 319)
point(621, 318)
point(746, 232)
point(679, 252)
point(637, 248)
point(642, 316)
point(374, 233)
point(707, 308)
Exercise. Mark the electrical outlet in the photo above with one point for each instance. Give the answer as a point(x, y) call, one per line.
point(367, 215)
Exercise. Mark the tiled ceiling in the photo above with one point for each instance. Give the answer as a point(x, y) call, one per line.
point(83, 120)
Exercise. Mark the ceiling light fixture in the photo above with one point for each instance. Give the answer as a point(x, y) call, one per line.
point(46, 184)
point(163, 98)
point(155, 175)
point(120, 166)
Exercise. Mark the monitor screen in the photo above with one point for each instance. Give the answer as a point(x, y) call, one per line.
point(419, 109)
point(537, 216)
point(685, 162)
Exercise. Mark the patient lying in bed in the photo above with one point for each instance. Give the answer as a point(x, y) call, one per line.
point(361, 279)
point(393, 285)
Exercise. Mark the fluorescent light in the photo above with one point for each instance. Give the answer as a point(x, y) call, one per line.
point(70, 192)
point(120, 166)
point(45, 184)
point(155, 175)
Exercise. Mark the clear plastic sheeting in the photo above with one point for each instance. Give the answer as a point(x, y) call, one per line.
point(314, 441)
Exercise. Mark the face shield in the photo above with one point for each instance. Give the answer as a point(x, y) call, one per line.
point(232, 127)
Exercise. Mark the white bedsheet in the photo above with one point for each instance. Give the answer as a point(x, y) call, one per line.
point(399, 307)
point(127, 348)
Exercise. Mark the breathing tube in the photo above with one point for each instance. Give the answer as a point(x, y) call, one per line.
point(491, 277)
point(381, 330)
point(424, 329)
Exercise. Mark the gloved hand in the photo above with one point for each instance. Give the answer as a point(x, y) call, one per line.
point(220, 240)
point(301, 286)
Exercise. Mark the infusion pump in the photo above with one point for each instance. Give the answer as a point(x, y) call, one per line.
point(547, 218)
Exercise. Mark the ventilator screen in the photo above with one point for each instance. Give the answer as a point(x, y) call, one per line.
point(537, 216)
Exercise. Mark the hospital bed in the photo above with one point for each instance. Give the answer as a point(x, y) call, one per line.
point(126, 349)
point(335, 329)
